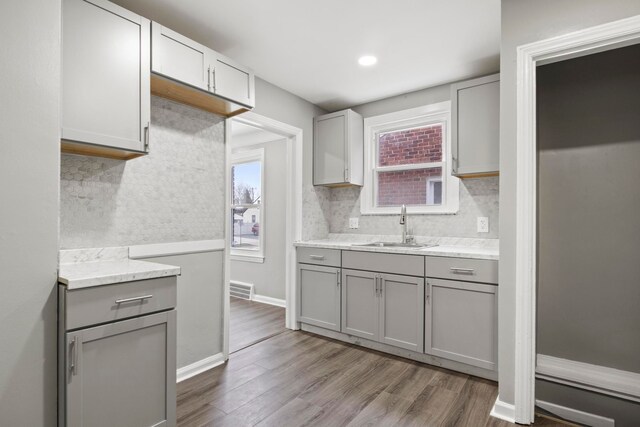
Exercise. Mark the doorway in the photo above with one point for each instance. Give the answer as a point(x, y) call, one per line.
point(586, 42)
point(263, 220)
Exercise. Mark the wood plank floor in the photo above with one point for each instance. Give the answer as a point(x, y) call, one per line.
point(300, 379)
point(251, 322)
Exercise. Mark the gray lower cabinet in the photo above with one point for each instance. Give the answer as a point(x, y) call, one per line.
point(360, 304)
point(383, 307)
point(319, 295)
point(461, 322)
point(117, 354)
point(117, 373)
point(105, 87)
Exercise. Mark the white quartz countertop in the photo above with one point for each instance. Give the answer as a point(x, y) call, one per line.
point(83, 269)
point(446, 247)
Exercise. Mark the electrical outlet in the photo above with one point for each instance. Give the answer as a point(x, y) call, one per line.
point(483, 224)
point(353, 222)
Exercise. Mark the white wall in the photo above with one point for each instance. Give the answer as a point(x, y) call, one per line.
point(29, 170)
point(525, 22)
point(269, 277)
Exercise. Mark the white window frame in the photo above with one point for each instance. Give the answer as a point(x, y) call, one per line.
point(241, 254)
point(406, 119)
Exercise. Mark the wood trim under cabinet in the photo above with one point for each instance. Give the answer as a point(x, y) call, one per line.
point(169, 89)
point(69, 147)
point(478, 175)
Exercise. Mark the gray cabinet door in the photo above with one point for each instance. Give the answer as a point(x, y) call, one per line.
point(233, 81)
point(476, 125)
point(319, 293)
point(402, 311)
point(105, 75)
point(461, 322)
point(360, 303)
point(180, 58)
point(122, 373)
point(330, 149)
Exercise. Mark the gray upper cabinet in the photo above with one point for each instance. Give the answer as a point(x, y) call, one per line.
point(461, 322)
point(180, 65)
point(179, 58)
point(233, 81)
point(105, 87)
point(338, 149)
point(319, 296)
point(475, 114)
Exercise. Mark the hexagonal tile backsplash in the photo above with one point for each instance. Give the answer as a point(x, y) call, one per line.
point(176, 193)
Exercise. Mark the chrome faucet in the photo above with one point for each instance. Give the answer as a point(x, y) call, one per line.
point(403, 223)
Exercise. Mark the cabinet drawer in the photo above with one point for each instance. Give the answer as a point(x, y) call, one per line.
point(408, 265)
point(319, 256)
point(100, 304)
point(472, 270)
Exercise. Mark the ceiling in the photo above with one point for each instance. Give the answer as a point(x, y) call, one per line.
point(311, 48)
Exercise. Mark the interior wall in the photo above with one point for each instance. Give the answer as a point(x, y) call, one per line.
point(200, 291)
point(478, 197)
point(588, 204)
point(173, 194)
point(29, 171)
point(278, 104)
point(525, 22)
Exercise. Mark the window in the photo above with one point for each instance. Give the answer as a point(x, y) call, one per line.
point(247, 204)
point(408, 161)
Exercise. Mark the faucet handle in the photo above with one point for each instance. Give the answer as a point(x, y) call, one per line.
point(410, 239)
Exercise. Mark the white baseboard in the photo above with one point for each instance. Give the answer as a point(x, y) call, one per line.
point(576, 416)
point(268, 300)
point(504, 411)
point(601, 379)
point(199, 367)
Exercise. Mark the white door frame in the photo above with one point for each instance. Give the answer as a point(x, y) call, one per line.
point(293, 214)
point(585, 42)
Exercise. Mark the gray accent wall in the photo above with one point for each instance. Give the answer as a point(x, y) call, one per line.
point(525, 22)
point(588, 205)
point(174, 194)
point(269, 277)
point(478, 197)
point(29, 171)
point(200, 291)
point(278, 104)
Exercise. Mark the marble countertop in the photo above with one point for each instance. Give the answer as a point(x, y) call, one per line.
point(446, 246)
point(85, 268)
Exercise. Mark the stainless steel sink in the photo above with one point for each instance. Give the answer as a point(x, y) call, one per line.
point(394, 245)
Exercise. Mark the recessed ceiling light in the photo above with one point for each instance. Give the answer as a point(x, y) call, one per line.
point(367, 60)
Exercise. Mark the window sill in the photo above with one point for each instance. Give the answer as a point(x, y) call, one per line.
point(235, 256)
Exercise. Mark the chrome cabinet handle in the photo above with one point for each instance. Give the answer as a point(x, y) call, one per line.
point(141, 298)
point(381, 285)
point(428, 292)
point(73, 357)
point(462, 270)
point(317, 257)
point(338, 278)
point(146, 137)
point(209, 78)
point(213, 72)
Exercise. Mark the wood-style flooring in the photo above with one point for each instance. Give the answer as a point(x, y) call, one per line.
point(251, 322)
point(300, 379)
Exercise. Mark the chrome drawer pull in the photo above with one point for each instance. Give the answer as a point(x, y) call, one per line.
point(73, 360)
point(142, 298)
point(462, 270)
point(318, 257)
